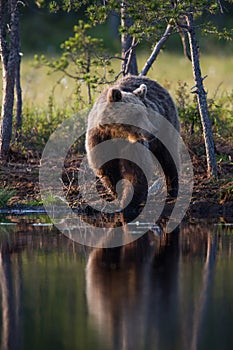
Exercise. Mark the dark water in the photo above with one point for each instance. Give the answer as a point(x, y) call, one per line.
point(176, 293)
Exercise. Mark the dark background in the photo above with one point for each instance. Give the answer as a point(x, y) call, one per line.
point(43, 31)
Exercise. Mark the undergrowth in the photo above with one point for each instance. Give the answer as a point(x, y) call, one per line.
point(40, 122)
point(220, 112)
point(5, 195)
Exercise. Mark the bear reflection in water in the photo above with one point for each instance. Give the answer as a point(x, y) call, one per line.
point(124, 286)
point(135, 295)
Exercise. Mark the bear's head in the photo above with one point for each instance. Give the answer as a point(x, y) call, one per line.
point(137, 96)
point(124, 108)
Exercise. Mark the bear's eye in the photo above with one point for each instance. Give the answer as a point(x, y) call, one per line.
point(114, 95)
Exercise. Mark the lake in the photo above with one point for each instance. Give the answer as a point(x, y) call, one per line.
point(174, 292)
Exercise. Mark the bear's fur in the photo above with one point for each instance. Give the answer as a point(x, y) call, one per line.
point(132, 99)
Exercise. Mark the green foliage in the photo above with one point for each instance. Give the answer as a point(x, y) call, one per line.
point(149, 18)
point(187, 108)
point(40, 123)
point(65, 5)
point(225, 33)
point(5, 195)
point(220, 112)
point(82, 56)
point(82, 59)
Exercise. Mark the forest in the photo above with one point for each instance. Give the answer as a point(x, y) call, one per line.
point(77, 270)
point(57, 57)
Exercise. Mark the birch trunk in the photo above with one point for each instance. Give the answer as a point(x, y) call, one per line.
point(9, 56)
point(201, 97)
point(18, 124)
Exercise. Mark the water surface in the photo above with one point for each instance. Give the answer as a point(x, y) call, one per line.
point(175, 293)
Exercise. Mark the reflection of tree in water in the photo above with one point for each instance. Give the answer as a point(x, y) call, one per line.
point(13, 241)
point(10, 284)
point(136, 294)
point(197, 241)
point(150, 294)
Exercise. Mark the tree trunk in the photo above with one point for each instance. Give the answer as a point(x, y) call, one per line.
point(129, 64)
point(18, 124)
point(9, 56)
point(201, 97)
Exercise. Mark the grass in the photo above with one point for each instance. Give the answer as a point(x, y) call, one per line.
point(50, 99)
point(5, 195)
point(173, 68)
point(168, 69)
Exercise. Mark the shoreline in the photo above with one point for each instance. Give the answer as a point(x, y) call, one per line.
point(211, 198)
point(196, 211)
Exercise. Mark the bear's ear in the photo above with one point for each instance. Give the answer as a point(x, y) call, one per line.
point(114, 95)
point(141, 91)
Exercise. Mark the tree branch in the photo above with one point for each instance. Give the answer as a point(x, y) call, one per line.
point(183, 32)
point(156, 50)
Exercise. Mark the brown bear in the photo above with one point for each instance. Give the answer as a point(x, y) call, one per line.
point(131, 110)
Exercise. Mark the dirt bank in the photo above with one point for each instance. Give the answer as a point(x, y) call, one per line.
point(212, 198)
